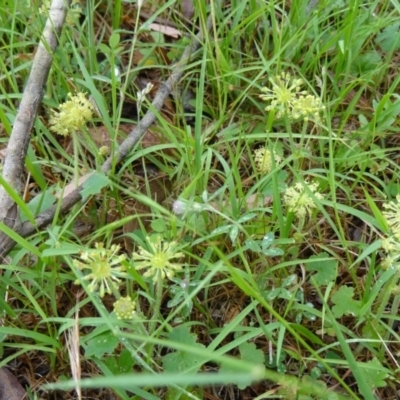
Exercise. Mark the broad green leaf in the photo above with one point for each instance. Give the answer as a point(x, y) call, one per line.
point(40, 203)
point(375, 374)
point(325, 267)
point(182, 361)
point(114, 40)
point(388, 39)
point(121, 364)
point(100, 345)
point(94, 184)
point(249, 352)
point(344, 302)
point(366, 62)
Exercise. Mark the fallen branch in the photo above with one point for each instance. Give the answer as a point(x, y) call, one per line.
point(19, 139)
point(6, 244)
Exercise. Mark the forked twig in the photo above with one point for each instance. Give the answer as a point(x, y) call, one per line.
point(19, 139)
point(27, 228)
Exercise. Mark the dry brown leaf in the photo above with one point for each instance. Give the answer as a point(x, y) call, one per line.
point(258, 200)
point(10, 388)
point(166, 30)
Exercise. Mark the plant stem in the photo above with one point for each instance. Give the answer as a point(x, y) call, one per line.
point(157, 305)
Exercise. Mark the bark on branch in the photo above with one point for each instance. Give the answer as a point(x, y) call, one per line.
point(19, 139)
point(28, 113)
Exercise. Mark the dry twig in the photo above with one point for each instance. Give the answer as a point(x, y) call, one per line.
point(19, 140)
point(9, 213)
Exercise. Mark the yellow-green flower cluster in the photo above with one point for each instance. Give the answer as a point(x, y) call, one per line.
point(158, 258)
point(72, 116)
point(263, 160)
point(286, 97)
point(306, 107)
point(104, 266)
point(392, 216)
point(299, 200)
point(124, 308)
point(391, 244)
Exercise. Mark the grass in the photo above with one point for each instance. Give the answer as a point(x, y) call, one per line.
point(267, 304)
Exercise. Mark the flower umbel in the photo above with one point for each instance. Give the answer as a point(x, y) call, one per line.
point(391, 243)
point(299, 200)
point(263, 160)
point(287, 98)
point(105, 267)
point(284, 91)
point(157, 260)
point(307, 106)
point(392, 216)
point(124, 308)
point(73, 115)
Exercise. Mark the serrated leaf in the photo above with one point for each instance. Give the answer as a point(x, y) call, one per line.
point(344, 302)
point(94, 184)
point(100, 345)
point(388, 39)
point(182, 361)
point(326, 269)
point(249, 352)
point(375, 374)
point(121, 364)
point(366, 62)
